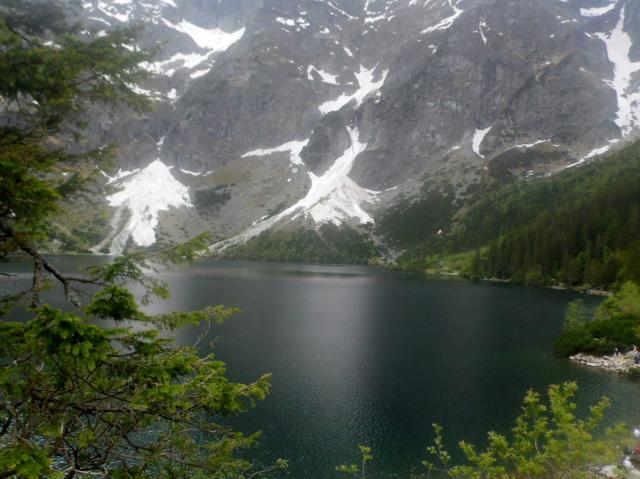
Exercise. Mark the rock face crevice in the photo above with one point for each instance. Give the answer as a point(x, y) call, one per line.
point(467, 88)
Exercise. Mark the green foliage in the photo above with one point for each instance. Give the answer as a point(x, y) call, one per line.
point(453, 264)
point(438, 451)
point(99, 389)
point(328, 244)
point(415, 224)
point(576, 316)
point(625, 304)
point(549, 440)
point(355, 470)
point(211, 199)
point(616, 325)
point(118, 402)
point(49, 74)
point(580, 228)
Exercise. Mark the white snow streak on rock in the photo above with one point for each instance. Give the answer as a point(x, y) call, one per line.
point(341, 11)
point(596, 152)
point(101, 20)
point(286, 21)
point(593, 153)
point(326, 77)
point(114, 12)
point(478, 138)
point(375, 19)
point(618, 45)
point(195, 173)
point(445, 23)
point(179, 60)
point(332, 198)
point(199, 73)
point(144, 193)
point(531, 145)
point(293, 147)
point(215, 40)
point(596, 12)
point(482, 25)
point(366, 86)
point(119, 175)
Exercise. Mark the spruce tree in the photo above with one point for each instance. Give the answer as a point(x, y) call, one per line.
point(96, 390)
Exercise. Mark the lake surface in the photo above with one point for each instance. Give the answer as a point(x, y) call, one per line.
point(361, 356)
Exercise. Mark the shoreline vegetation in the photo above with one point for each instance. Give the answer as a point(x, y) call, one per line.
point(608, 338)
point(585, 289)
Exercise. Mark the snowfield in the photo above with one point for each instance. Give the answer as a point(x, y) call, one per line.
point(332, 198)
point(142, 194)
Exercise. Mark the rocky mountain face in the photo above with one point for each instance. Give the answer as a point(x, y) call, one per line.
point(273, 113)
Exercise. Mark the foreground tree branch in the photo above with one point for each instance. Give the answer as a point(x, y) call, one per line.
point(96, 390)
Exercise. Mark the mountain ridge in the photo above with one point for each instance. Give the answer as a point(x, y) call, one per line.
point(261, 99)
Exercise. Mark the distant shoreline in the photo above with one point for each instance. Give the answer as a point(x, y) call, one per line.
point(620, 364)
point(379, 266)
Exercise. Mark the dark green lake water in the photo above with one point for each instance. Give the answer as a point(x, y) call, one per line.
point(361, 356)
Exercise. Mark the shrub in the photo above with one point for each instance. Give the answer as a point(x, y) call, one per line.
point(616, 325)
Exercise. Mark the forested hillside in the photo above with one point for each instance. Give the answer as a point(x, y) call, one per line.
point(579, 228)
point(327, 244)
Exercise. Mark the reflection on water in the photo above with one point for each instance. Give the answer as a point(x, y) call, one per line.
point(360, 356)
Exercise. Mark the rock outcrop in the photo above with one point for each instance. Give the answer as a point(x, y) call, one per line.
point(621, 363)
point(465, 89)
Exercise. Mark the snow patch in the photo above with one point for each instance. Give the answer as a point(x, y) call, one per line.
point(618, 45)
point(332, 198)
point(179, 60)
point(366, 86)
point(144, 194)
point(596, 152)
point(195, 173)
point(326, 77)
point(340, 11)
point(526, 146)
point(478, 138)
point(101, 20)
point(119, 175)
point(214, 40)
point(482, 25)
point(597, 11)
point(375, 19)
point(293, 147)
point(115, 12)
point(445, 23)
point(593, 153)
point(199, 73)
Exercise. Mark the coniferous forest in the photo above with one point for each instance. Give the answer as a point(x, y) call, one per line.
point(578, 228)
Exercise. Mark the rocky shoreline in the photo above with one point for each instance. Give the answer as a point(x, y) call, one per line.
point(620, 364)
